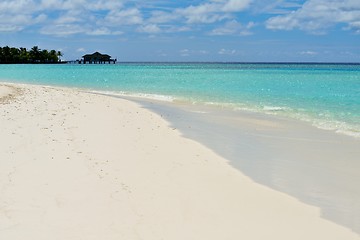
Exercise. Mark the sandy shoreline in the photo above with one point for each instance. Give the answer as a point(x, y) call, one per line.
point(317, 167)
point(76, 165)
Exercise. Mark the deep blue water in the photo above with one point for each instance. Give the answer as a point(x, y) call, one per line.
point(327, 95)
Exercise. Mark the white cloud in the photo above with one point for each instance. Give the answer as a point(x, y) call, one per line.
point(177, 29)
point(308, 52)
point(233, 28)
point(224, 51)
point(355, 26)
point(275, 6)
point(316, 16)
point(99, 32)
point(86, 5)
point(80, 50)
point(105, 5)
point(40, 18)
point(184, 52)
point(162, 17)
point(9, 28)
point(17, 6)
point(151, 28)
point(63, 29)
point(212, 11)
point(235, 5)
point(69, 17)
point(14, 23)
point(117, 33)
point(205, 13)
point(124, 17)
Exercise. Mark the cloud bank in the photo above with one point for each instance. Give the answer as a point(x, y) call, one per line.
point(317, 16)
point(210, 17)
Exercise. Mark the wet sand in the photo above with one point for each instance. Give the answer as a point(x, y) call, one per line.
point(318, 167)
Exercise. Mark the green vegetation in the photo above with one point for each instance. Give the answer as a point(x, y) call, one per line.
point(34, 55)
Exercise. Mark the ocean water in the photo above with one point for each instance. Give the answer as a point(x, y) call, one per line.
point(326, 95)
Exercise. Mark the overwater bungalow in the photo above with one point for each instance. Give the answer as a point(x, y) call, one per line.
point(97, 58)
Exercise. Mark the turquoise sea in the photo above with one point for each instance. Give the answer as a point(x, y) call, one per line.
point(326, 95)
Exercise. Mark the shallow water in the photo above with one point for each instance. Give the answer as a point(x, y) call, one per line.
point(327, 95)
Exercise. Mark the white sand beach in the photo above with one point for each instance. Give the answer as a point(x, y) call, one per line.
point(76, 165)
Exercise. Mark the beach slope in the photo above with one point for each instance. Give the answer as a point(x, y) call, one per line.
point(76, 165)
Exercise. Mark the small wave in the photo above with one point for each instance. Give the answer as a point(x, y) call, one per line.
point(152, 96)
point(355, 134)
point(274, 108)
point(338, 127)
point(218, 104)
point(321, 121)
point(158, 97)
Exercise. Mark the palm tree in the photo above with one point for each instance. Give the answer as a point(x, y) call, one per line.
point(59, 54)
point(14, 55)
point(24, 55)
point(53, 57)
point(2, 57)
point(44, 56)
point(35, 54)
point(6, 54)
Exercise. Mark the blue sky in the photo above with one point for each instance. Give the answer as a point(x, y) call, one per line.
point(197, 30)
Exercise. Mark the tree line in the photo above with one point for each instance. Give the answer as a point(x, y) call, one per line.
point(23, 55)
